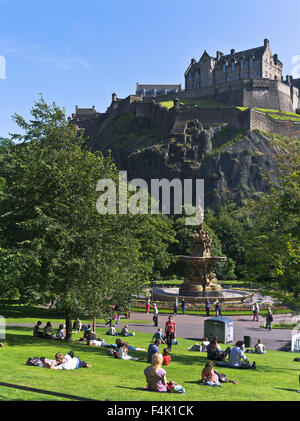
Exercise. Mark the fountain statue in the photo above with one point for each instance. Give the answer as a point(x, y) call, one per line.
point(201, 279)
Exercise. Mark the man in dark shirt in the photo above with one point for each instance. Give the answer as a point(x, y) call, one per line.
point(152, 349)
point(36, 330)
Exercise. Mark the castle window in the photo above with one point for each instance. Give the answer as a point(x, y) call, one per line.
point(224, 68)
point(228, 78)
point(251, 62)
point(197, 75)
point(246, 75)
point(232, 66)
point(237, 77)
point(256, 73)
point(190, 76)
point(242, 64)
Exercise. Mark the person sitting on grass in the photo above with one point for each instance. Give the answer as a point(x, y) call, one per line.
point(61, 333)
point(214, 352)
point(153, 349)
point(166, 357)
point(158, 335)
point(123, 353)
point(204, 344)
point(68, 362)
point(77, 325)
point(112, 331)
point(125, 331)
point(209, 377)
point(235, 357)
point(48, 331)
point(86, 330)
point(260, 347)
point(91, 338)
point(156, 375)
point(36, 330)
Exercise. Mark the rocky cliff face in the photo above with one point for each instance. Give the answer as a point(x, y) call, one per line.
point(232, 163)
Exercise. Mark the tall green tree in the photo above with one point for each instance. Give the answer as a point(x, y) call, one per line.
point(54, 242)
point(273, 247)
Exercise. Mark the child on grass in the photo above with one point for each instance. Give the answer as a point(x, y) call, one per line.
point(166, 357)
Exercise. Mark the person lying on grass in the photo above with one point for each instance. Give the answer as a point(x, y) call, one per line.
point(68, 362)
point(120, 343)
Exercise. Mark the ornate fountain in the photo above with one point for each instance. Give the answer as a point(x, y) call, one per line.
point(201, 279)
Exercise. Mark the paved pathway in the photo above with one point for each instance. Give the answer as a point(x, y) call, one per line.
point(192, 327)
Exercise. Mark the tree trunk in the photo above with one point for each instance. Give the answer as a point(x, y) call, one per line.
point(68, 318)
point(94, 324)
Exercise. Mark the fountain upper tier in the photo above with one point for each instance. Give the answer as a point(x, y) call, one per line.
point(201, 277)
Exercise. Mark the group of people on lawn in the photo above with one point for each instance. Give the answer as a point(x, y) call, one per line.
point(155, 375)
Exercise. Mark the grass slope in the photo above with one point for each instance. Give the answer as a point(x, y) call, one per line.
point(276, 378)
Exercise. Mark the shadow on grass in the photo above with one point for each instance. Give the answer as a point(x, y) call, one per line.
point(18, 311)
point(45, 392)
point(288, 390)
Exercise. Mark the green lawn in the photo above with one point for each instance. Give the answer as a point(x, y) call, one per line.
point(276, 378)
point(276, 114)
point(16, 313)
point(195, 102)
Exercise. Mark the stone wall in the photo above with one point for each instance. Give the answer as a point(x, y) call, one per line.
point(165, 120)
point(260, 93)
point(261, 121)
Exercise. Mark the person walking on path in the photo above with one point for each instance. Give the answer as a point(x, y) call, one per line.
point(170, 331)
point(155, 315)
point(269, 320)
point(176, 306)
point(147, 305)
point(218, 309)
point(183, 306)
point(207, 305)
point(255, 310)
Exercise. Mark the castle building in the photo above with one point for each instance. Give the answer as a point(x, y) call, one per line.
point(152, 91)
point(256, 63)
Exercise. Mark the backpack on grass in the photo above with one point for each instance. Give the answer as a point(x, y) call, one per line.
point(35, 361)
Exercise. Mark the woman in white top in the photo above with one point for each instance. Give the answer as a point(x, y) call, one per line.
point(123, 353)
point(260, 348)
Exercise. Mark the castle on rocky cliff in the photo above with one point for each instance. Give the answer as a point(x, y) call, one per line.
point(250, 78)
point(234, 86)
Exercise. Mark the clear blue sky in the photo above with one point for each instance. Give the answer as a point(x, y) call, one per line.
point(78, 52)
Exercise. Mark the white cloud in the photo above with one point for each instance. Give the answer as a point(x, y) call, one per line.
point(37, 53)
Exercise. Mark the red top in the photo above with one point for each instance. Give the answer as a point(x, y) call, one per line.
point(170, 326)
point(167, 359)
